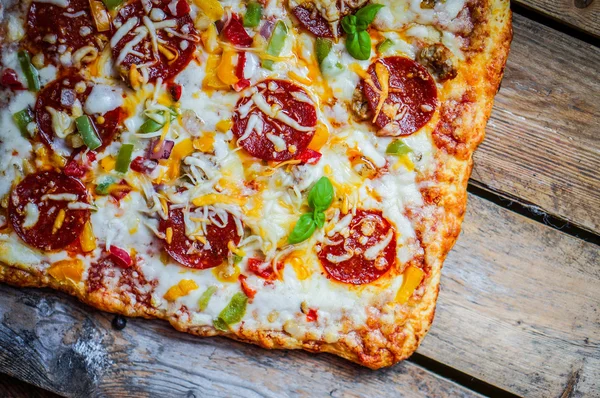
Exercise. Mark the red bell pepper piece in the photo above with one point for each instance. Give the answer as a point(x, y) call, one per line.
point(120, 257)
point(234, 32)
point(10, 79)
point(309, 156)
point(248, 291)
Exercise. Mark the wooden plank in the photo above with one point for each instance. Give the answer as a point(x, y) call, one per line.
point(51, 340)
point(581, 14)
point(542, 140)
point(14, 388)
point(519, 306)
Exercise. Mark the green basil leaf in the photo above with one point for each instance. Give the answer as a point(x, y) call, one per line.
point(205, 298)
point(303, 229)
point(232, 313)
point(349, 24)
point(319, 218)
point(366, 15)
point(321, 195)
point(359, 46)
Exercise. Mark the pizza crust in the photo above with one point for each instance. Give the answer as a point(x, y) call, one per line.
point(377, 344)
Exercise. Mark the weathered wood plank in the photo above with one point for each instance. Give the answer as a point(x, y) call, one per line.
point(581, 14)
point(52, 341)
point(519, 306)
point(542, 140)
point(14, 388)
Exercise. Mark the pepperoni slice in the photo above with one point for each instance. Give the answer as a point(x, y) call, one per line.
point(57, 30)
point(276, 121)
point(68, 94)
point(175, 42)
point(196, 254)
point(39, 210)
point(411, 95)
point(313, 21)
point(363, 253)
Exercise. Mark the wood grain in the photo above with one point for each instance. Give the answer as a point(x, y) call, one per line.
point(14, 388)
point(542, 142)
point(581, 14)
point(519, 306)
point(51, 340)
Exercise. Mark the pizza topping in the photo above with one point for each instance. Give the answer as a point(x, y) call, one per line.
point(235, 33)
point(438, 59)
point(204, 246)
point(205, 297)
point(232, 313)
point(59, 110)
point(10, 80)
point(358, 39)
point(248, 291)
point(402, 95)
point(183, 288)
point(124, 158)
point(62, 29)
point(120, 257)
point(361, 248)
point(39, 211)
point(276, 43)
point(30, 72)
point(146, 48)
point(264, 269)
point(313, 21)
point(67, 270)
point(23, 119)
point(253, 15)
point(276, 121)
point(320, 198)
point(412, 278)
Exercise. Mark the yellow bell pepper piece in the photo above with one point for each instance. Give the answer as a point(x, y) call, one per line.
point(58, 222)
point(100, 14)
point(87, 238)
point(209, 39)
point(227, 68)
point(205, 143)
point(183, 288)
point(320, 138)
point(224, 125)
point(181, 150)
point(211, 80)
point(227, 274)
point(67, 270)
point(108, 163)
point(211, 8)
point(412, 279)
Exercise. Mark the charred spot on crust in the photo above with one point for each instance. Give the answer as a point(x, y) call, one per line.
point(438, 59)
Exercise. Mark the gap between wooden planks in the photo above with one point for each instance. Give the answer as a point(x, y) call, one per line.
point(581, 14)
point(542, 141)
point(518, 309)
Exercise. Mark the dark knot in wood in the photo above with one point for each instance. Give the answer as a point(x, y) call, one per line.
point(583, 3)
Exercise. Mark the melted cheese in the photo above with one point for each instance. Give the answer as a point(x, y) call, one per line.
point(265, 200)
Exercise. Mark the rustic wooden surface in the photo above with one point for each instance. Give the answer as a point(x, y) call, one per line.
point(15, 388)
point(581, 14)
point(51, 340)
point(519, 306)
point(542, 142)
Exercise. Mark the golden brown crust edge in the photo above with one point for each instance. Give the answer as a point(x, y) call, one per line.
point(377, 347)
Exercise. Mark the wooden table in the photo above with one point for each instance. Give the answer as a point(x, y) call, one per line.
point(519, 307)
